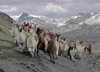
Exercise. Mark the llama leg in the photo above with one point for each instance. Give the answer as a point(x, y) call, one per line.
point(70, 54)
point(21, 48)
point(24, 47)
point(15, 41)
point(53, 59)
point(29, 49)
point(65, 54)
point(70, 57)
point(57, 52)
point(33, 50)
point(38, 47)
point(73, 58)
point(90, 51)
point(36, 51)
point(46, 44)
point(69, 51)
point(50, 58)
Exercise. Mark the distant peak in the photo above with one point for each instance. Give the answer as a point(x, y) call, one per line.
point(93, 13)
point(85, 13)
point(24, 13)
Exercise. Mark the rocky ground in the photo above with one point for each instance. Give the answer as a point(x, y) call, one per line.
point(11, 60)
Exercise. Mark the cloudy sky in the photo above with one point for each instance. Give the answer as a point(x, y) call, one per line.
point(50, 8)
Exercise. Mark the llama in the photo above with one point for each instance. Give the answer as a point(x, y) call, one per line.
point(60, 46)
point(43, 40)
point(71, 44)
point(14, 32)
point(22, 38)
point(88, 49)
point(52, 49)
point(32, 42)
point(80, 49)
point(65, 48)
point(72, 50)
point(72, 53)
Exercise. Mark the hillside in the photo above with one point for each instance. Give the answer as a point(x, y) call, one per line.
point(5, 27)
point(5, 20)
point(12, 60)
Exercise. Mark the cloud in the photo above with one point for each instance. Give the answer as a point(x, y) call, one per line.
point(51, 8)
point(12, 9)
point(54, 8)
point(3, 6)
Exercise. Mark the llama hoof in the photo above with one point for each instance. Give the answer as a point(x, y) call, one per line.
point(45, 52)
point(21, 50)
point(37, 54)
point(65, 56)
point(56, 57)
point(59, 54)
point(24, 50)
point(37, 51)
point(50, 60)
point(32, 56)
point(74, 61)
point(53, 62)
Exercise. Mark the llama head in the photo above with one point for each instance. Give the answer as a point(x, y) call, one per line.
point(80, 42)
point(65, 39)
point(71, 41)
point(25, 29)
point(85, 44)
point(77, 43)
point(13, 22)
point(24, 22)
point(44, 34)
point(31, 31)
point(20, 27)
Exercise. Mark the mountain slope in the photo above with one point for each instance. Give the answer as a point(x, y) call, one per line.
point(12, 60)
point(5, 17)
point(5, 27)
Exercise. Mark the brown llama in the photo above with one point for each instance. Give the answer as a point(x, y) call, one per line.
point(52, 49)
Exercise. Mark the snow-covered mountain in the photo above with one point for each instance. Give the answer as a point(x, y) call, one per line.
point(15, 17)
point(25, 17)
point(76, 22)
point(68, 24)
